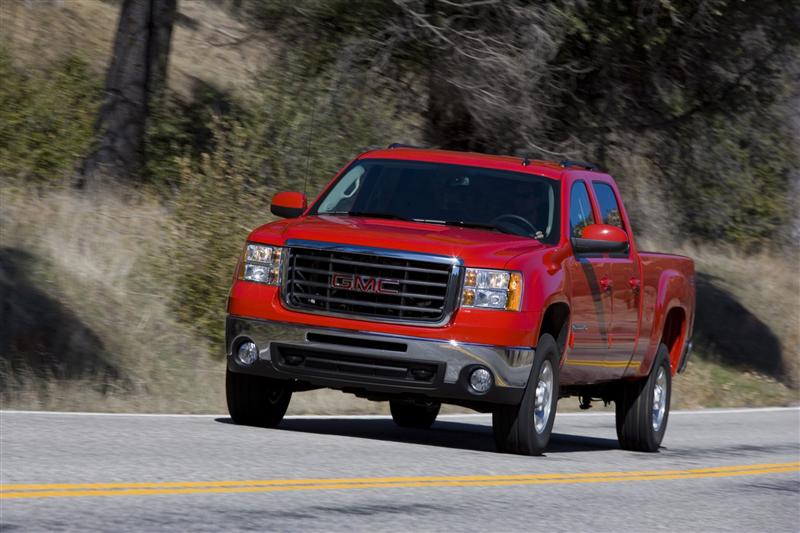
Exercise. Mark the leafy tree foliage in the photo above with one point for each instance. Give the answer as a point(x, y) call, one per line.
point(702, 82)
point(46, 118)
point(298, 131)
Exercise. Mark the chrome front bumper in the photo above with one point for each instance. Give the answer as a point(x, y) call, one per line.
point(509, 366)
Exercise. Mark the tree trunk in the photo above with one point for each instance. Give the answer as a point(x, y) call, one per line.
point(136, 76)
point(162, 16)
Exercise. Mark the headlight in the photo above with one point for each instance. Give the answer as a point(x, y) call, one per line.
point(262, 264)
point(492, 289)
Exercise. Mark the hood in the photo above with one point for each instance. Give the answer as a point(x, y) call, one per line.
point(477, 247)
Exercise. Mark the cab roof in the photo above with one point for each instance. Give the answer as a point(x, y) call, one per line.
point(550, 169)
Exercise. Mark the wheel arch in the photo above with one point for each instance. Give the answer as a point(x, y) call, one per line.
point(670, 323)
point(673, 335)
point(555, 321)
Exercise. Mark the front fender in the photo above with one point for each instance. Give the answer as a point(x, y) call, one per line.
point(542, 287)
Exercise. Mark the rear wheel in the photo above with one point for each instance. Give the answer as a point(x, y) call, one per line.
point(420, 415)
point(643, 407)
point(525, 428)
point(256, 400)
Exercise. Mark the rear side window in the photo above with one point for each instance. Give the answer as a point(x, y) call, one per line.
point(609, 208)
point(580, 209)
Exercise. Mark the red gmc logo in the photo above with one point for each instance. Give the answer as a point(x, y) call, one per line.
point(365, 284)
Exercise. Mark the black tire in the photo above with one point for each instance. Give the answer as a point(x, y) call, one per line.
point(256, 400)
point(635, 408)
point(513, 425)
point(414, 414)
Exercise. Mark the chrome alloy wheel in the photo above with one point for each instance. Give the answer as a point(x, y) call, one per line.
point(659, 398)
point(544, 397)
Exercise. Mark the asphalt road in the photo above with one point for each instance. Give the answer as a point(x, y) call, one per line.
point(718, 470)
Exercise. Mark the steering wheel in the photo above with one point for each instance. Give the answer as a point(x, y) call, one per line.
point(516, 219)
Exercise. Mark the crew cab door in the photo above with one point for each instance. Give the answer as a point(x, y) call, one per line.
point(590, 302)
point(625, 283)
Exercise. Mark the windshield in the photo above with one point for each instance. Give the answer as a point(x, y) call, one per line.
point(494, 200)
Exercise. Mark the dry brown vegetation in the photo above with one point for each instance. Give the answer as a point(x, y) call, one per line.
point(102, 268)
point(209, 46)
point(96, 266)
point(99, 268)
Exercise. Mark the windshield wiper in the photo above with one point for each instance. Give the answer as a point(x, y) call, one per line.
point(480, 225)
point(372, 214)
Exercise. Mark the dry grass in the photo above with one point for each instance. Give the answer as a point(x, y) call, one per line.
point(767, 286)
point(761, 289)
point(710, 384)
point(98, 260)
point(105, 259)
point(100, 257)
point(208, 45)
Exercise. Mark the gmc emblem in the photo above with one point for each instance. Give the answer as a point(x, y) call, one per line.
point(365, 284)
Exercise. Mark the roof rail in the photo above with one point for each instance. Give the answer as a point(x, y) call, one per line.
point(588, 166)
point(401, 145)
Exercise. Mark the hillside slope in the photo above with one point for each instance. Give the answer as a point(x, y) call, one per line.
point(208, 46)
point(87, 284)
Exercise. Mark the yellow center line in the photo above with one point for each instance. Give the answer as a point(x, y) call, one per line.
point(161, 484)
point(60, 490)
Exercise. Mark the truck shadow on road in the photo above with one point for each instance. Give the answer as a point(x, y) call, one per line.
point(444, 433)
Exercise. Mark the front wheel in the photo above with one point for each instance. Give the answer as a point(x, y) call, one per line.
point(525, 428)
point(643, 407)
point(256, 400)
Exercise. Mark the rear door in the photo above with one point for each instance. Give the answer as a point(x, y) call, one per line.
point(624, 285)
point(590, 305)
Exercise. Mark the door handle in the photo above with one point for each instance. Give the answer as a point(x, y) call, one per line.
point(636, 285)
point(605, 284)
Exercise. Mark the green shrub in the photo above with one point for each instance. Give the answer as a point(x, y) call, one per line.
point(46, 118)
point(215, 208)
point(305, 121)
point(259, 149)
point(731, 183)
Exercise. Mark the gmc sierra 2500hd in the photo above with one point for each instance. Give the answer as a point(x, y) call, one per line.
point(425, 277)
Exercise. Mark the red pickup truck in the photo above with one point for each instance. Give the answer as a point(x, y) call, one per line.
point(423, 277)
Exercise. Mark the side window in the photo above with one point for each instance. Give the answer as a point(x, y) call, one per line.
point(580, 209)
point(609, 208)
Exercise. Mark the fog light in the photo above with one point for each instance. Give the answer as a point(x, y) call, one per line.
point(247, 353)
point(480, 380)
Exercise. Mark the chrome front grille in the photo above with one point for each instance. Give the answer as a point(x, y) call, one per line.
point(375, 284)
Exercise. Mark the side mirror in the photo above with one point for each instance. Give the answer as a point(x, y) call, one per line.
point(288, 204)
point(600, 239)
